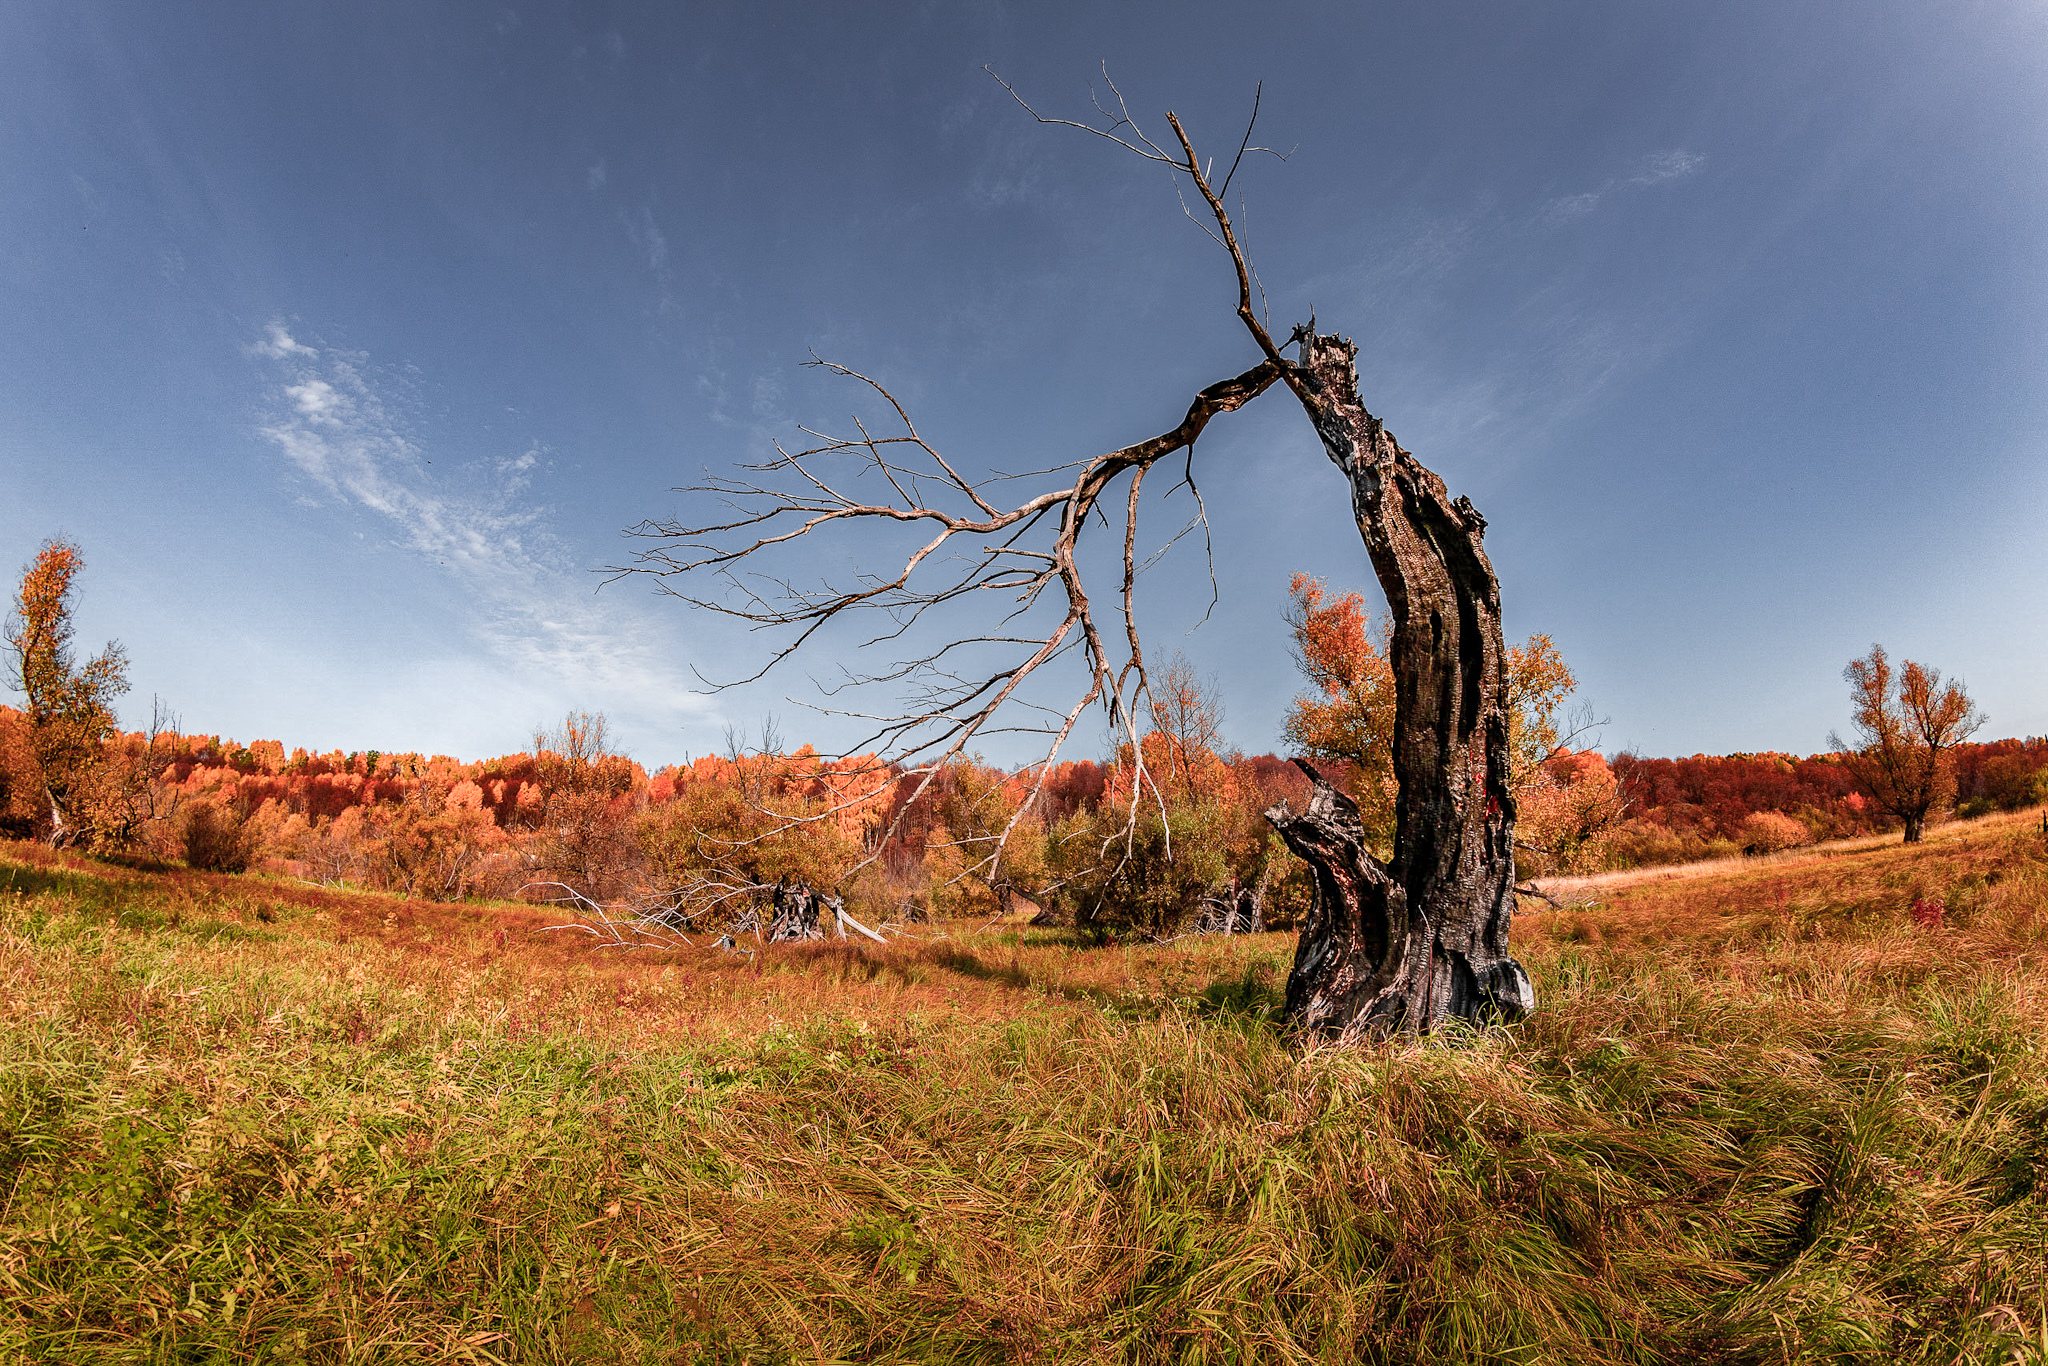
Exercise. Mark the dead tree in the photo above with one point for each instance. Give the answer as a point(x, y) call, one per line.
point(796, 914)
point(799, 911)
point(1424, 939)
point(1230, 910)
point(1394, 948)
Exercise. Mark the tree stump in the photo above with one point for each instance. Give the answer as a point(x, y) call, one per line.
point(796, 914)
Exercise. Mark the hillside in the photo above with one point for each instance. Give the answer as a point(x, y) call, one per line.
point(1766, 1113)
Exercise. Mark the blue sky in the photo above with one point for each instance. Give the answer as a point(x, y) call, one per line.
point(346, 339)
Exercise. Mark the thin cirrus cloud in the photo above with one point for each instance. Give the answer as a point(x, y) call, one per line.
point(336, 419)
point(1657, 168)
point(652, 245)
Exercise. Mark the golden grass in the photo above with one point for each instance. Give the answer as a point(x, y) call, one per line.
point(1762, 1115)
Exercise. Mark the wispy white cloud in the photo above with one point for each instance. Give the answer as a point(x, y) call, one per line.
point(652, 244)
point(1553, 349)
point(1567, 207)
point(1671, 165)
point(338, 420)
point(277, 344)
point(1655, 169)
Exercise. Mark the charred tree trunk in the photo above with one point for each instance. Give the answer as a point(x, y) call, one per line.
point(1402, 947)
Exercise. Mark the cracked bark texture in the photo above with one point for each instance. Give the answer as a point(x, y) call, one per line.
point(1401, 948)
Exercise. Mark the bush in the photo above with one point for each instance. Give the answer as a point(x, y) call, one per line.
point(1768, 832)
point(217, 839)
point(2011, 781)
point(1643, 843)
point(438, 855)
point(718, 836)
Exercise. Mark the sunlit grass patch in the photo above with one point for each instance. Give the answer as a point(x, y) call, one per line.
point(366, 1130)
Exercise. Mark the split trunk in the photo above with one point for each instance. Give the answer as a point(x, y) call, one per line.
point(1403, 947)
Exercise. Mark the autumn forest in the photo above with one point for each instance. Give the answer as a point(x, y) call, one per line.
point(569, 819)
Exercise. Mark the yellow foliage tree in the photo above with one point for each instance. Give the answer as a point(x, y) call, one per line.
point(1906, 726)
point(70, 706)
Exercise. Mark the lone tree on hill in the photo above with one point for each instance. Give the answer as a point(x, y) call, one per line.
point(70, 707)
point(1395, 947)
point(1906, 726)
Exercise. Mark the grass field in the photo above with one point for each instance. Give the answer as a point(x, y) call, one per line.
point(1763, 1114)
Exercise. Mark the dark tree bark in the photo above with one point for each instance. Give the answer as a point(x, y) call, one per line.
point(1402, 947)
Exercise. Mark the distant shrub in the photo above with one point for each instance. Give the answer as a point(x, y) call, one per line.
point(217, 839)
point(1153, 881)
point(1767, 832)
point(438, 855)
point(1643, 843)
point(1565, 808)
point(2011, 781)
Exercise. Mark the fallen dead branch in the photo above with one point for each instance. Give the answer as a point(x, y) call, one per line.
point(659, 920)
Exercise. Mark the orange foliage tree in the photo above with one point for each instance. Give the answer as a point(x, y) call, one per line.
point(1349, 718)
point(1348, 715)
point(70, 707)
point(1178, 828)
point(718, 834)
point(1906, 725)
point(1187, 718)
point(583, 819)
point(1538, 682)
point(1566, 809)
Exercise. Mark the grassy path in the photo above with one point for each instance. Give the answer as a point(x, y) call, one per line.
point(2004, 823)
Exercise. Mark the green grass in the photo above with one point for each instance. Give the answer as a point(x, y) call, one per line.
point(226, 1138)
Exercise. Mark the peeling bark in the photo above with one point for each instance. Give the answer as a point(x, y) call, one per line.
point(1403, 947)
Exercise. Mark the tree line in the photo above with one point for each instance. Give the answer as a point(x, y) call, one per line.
point(1153, 838)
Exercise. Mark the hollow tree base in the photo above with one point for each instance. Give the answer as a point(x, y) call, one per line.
point(1369, 965)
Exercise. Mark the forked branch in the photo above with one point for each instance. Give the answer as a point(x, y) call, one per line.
point(969, 538)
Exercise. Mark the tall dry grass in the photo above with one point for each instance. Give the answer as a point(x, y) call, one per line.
point(1763, 1116)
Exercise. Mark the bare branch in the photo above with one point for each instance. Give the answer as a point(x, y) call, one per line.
point(1151, 151)
point(868, 479)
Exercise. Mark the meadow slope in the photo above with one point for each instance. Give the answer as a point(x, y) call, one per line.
point(1765, 1114)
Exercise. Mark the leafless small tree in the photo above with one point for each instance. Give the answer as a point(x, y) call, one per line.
point(1396, 947)
point(127, 800)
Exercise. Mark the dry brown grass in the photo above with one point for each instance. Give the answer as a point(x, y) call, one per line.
point(549, 979)
point(1762, 1116)
point(1849, 904)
